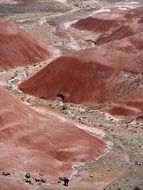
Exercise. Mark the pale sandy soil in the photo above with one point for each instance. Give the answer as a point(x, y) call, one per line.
point(8, 2)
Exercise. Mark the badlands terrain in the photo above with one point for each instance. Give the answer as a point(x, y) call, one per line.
point(71, 94)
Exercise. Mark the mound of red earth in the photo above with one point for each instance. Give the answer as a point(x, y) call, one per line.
point(114, 25)
point(87, 77)
point(19, 48)
point(123, 111)
point(32, 142)
point(108, 73)
point(80, 78)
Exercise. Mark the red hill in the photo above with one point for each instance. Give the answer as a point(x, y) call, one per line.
point(19, 48)
point(114, 25)
point(81, 79)
point(86, 77)
point(30, 141)
point(111, 72)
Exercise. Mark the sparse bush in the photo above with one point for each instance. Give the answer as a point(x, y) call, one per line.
point(64, 107)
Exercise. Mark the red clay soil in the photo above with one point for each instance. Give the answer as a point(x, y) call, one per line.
point(80, 80)
point(101, 22)
point(124, 111)
point(135, 103)
point(19, 48)
point(110, 72)
point(91, 77)
point(113, 25)
point(6, 184)
point(88, 77)
point(30, 141)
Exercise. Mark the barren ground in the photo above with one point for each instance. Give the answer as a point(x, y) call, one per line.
point(122, 167)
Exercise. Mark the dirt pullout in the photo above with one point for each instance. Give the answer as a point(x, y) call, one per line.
point(30, 141)
point(19, 48)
